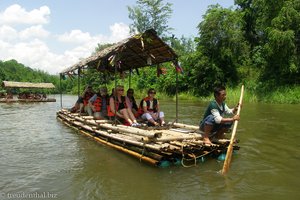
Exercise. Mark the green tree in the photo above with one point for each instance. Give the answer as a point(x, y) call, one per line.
point(219, 48)
point(150, 14)
point(282, 47)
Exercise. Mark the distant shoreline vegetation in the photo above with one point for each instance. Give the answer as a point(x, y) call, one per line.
point(282, 95)
point(14, 71)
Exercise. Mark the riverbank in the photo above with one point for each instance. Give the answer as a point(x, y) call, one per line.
point(280, 95)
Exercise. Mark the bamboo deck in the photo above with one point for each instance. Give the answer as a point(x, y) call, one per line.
point(26, 100)
point(160, 146)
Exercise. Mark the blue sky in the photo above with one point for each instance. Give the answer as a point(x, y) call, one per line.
point(53, 34)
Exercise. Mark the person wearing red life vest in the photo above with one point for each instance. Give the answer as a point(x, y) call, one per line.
point(149, 108)
point(118, 106)
point(99, 103)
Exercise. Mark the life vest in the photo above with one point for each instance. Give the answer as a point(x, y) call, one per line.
point(147, 99)
point(117, 106)
point(98, 104)
point(87, 97)
point(214, 105)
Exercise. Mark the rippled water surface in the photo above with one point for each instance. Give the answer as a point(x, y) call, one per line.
point(42, 156)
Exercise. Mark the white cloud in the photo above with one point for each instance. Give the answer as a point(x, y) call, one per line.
point(119, 31)
point(32, 45)
point(15, 14)
point(35, 53)
point(75, 36)
point(8, 33)
point(34, 32)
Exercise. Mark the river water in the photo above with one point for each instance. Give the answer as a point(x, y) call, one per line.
point(43, 158)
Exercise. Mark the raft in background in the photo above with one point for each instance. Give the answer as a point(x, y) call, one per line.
point(159, 146)
point(12, 84)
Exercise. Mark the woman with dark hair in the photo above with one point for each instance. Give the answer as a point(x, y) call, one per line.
point(150, 110)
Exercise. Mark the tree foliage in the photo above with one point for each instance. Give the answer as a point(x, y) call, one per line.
point(272, 31)
point(219, 46)
point(149, 14)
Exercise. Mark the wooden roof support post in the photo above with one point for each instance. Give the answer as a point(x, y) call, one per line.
point(60, 88)
point(78, 92)
point(129, 86)
point(115, 96)
point(176, 98)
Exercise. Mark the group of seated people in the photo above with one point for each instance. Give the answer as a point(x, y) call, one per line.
point(104, 106)
point(24, 95)
point(29, 95)
point(7, 95)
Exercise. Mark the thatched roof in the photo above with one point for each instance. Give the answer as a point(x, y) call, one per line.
point(11, 84)
point(138, 51)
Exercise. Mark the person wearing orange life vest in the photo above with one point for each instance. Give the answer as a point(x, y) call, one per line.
point(84, 101)
point(150, 109)
point(118, 106)
point(99, 102)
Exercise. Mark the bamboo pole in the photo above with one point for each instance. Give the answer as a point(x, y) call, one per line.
point(180, 125)
point(131, 130)
point(227, 161)
point(177, 138)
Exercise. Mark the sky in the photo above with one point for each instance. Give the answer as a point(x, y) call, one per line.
point(51, 35)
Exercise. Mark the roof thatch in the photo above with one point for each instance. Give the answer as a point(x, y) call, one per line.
point(138, 51)
point(11, 84)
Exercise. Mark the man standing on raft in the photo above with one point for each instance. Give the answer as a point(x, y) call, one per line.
point(214, 123)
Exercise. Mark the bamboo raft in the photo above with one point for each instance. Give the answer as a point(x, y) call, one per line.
point(173, 144)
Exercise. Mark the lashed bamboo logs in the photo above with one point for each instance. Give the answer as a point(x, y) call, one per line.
point(123, 149)
point(157, 145)
point(113, 136)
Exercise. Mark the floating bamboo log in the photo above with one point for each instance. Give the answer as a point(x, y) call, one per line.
point(166, 139)
point(126, 129)
point(186, 126)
